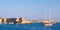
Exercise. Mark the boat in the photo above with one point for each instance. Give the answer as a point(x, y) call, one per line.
point(48, 24)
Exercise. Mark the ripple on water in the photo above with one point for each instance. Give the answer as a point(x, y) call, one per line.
point(33, 26)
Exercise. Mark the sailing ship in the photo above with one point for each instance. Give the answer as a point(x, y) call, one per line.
point(48, 22)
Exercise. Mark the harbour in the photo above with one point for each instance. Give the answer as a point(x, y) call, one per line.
point(33, 26)
point(29, 14)
point(23, 21)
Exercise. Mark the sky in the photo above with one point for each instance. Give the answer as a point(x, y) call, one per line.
point(30, 9)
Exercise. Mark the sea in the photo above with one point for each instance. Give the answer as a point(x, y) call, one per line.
point(33, 26)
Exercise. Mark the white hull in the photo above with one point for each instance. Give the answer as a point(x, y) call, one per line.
point(48, 24)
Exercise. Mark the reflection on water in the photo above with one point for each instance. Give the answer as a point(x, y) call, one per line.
point(33, 26)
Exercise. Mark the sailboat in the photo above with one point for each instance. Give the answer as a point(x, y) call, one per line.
point(48, 22)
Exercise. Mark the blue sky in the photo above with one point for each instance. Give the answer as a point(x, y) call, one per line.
point(30, 9)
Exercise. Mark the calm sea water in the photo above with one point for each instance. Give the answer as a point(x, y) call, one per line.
point(33, 26)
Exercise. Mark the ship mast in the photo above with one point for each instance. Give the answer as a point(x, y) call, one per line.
point(49, 15)
point(45, 16)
